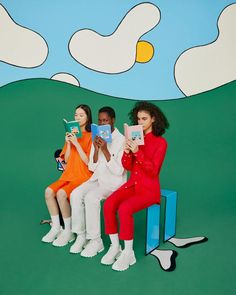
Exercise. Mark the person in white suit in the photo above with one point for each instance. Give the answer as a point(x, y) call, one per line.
point(108, 176)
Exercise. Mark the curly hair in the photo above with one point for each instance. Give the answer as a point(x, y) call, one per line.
point(160, 124)
point(88, 112)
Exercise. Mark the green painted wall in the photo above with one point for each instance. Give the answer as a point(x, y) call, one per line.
point(200, 165)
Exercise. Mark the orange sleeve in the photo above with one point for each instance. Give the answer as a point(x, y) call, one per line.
point(88, 146)
point(62, 154)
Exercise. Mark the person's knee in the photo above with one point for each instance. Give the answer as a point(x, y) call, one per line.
point(124, 210)
point(91, 198)
point(73, 195)
point(61, 196)
point(49, 194)
point(76, 197)
point(108, 206)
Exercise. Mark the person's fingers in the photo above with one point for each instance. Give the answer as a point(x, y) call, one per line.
point(130, 144)
point(100, 141)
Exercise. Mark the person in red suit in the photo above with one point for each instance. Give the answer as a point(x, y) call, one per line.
point(143, 187)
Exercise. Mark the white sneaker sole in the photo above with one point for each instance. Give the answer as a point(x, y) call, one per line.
point(90, 256)
point(79, 250)
point(130, 264)
point(110, 263)
point(48, 242)
point(51, 241)
point(70, 241)
point(76, 252)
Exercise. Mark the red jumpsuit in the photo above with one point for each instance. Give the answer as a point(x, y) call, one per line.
point(140, 191)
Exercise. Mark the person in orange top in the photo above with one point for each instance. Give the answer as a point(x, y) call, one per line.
point(57, 195)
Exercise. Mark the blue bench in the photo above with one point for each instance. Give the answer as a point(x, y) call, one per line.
point(153, 221)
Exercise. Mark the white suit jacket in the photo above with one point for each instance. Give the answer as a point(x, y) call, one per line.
point(110, 175)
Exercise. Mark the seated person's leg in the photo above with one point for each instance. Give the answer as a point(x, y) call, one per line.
point(111, 206)
point(126, 210)
point(92, 202)
point(78, 215)
point(50, 198)
point(62, 198)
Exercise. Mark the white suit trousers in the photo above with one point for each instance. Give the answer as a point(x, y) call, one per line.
point(85, 208)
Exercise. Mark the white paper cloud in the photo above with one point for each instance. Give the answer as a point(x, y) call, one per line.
point(115, 53)
point(206, 67)
point(20, 46)
point(65, 77)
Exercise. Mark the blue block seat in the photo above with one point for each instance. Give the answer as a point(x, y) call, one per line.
point(153, 221)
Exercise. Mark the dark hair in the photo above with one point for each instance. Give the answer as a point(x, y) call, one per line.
point(110, 111)
point(159, 125)
point(88, 112)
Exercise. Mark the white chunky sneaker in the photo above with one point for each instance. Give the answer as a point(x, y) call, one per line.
point(93, 248)
point(63, 239)
point(124, 261)
point(78, 244)
point(51, 235)
point(112, 254)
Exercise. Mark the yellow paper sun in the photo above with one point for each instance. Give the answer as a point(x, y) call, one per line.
point(144, 51)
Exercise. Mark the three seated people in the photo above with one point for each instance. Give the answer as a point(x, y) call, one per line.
point(98, 171)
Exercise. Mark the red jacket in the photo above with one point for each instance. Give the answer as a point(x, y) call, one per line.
point(145, 166)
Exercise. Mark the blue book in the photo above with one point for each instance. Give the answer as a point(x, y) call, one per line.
point(104, 131)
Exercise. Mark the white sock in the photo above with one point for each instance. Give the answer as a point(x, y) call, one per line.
point(129, 246)
point(67, 224)
point(55, 222)
point(115, 240)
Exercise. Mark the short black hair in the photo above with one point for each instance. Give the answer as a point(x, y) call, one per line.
point(159, 125)
point(110, 111)
point(88, 112)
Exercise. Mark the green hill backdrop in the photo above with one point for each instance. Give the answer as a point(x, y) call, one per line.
point(200, 166)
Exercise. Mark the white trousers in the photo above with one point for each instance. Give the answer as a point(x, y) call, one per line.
point(85, 208)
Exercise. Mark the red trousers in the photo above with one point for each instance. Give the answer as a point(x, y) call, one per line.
point(127, 202)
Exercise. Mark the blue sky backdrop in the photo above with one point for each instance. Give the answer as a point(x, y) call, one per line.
point(183, 24)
